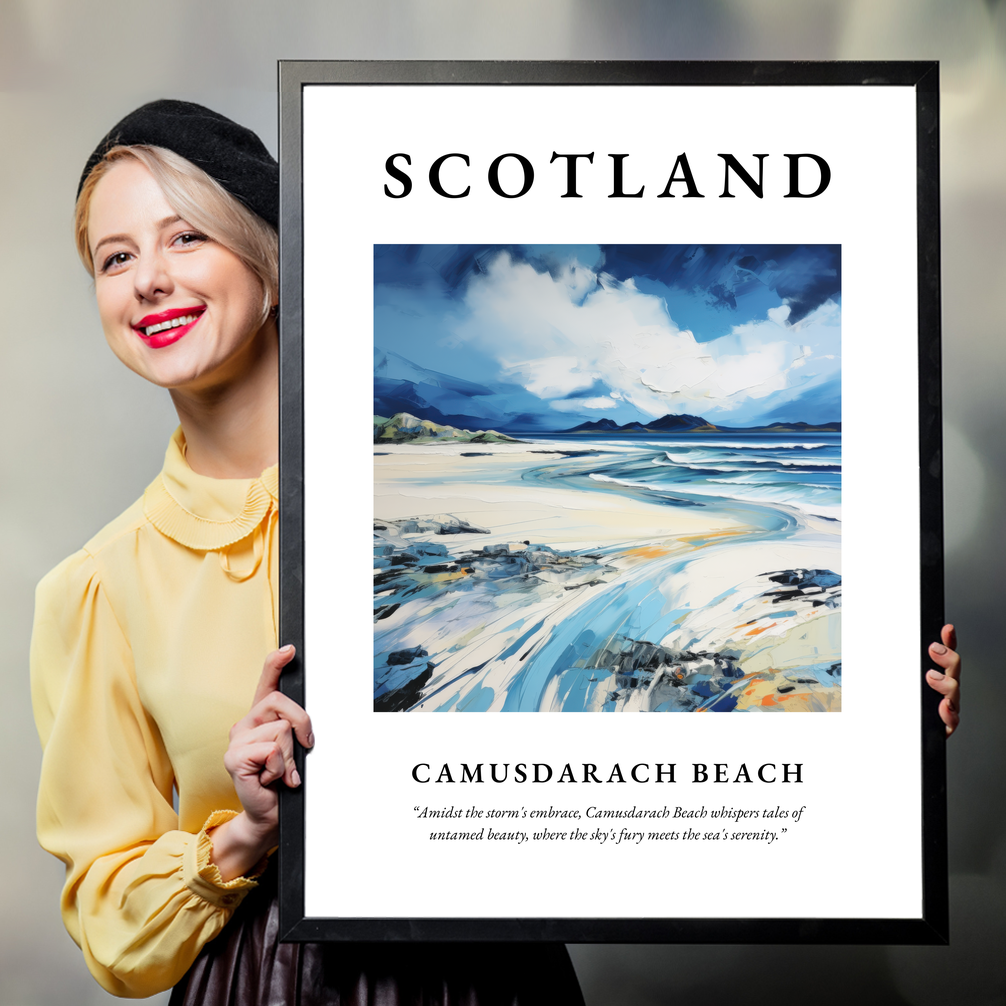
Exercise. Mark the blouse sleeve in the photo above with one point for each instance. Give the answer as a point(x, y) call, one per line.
point(141, 898)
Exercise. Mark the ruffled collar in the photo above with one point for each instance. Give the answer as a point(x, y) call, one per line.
point(203, 513)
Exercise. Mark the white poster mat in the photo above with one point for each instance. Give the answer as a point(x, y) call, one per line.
point(855, 850)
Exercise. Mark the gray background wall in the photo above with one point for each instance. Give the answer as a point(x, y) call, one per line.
point(82, 436)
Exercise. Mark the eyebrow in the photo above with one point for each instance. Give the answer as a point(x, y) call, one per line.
point(111, 238)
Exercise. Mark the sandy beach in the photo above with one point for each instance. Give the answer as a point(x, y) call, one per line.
point(513, 576)
point(485, 489)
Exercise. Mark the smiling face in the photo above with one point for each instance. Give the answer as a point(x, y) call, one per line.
point(177, 307)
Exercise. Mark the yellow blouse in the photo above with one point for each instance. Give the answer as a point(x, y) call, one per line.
point(147, 647)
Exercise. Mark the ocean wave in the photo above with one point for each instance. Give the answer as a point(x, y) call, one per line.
point(701, 468)
point(649, 486)
point(784, 494)
point(787, 494)
point(774, 478)
point(766, 467)
point(770, 446)
point(688, 461)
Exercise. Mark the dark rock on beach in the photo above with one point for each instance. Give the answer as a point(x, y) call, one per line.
point(678, 680)
point(438, 524)
point(819, 586)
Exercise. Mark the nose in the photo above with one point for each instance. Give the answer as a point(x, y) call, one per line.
point(152, 277)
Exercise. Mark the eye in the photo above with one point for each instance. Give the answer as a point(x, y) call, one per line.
point(115, 261)
point(189, 239)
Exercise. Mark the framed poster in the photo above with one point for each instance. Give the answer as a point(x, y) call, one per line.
point(651, 352)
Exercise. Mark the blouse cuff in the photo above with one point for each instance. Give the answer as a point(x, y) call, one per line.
point(202, 876)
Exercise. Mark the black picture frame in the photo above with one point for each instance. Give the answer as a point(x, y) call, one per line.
point(932, 926)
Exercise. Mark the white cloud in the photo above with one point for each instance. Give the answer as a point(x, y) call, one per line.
point(577, 404)
point(561, 335)
point(551, 376)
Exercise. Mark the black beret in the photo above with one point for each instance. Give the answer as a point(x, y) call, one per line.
point(231, 154)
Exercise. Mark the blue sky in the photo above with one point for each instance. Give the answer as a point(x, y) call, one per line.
point(549, 336)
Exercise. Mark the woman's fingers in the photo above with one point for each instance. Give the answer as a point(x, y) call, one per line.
point(277, 735)
point(949, 711)
point(260, 760)
point(270, 703)
point(947, 680)
point(261, 749)
point(277, 706)
point(274, 766)
point(949, 636)
point(951, 717)
point(947, 686)
point(949, 660)
point(271, 671)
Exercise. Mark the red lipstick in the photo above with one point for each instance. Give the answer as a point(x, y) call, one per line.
point(166, 327)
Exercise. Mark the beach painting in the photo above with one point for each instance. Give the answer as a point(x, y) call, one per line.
point(607, 478)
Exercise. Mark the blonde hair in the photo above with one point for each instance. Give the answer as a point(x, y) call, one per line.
point(199, 200)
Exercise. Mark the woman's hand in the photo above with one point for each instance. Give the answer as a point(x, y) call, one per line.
point(947, 682)
point(260, 753)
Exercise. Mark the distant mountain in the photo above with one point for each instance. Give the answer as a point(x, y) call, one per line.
point(601, 424)
point(683, 422)
point(696, 424)
point(805, 428)
point(404, 428)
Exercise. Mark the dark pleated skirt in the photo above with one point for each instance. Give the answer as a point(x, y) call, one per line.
point(246, 965)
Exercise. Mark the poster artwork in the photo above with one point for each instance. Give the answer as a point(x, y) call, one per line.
point(607, 478)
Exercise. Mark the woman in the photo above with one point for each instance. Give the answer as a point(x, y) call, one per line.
point(148, 643)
